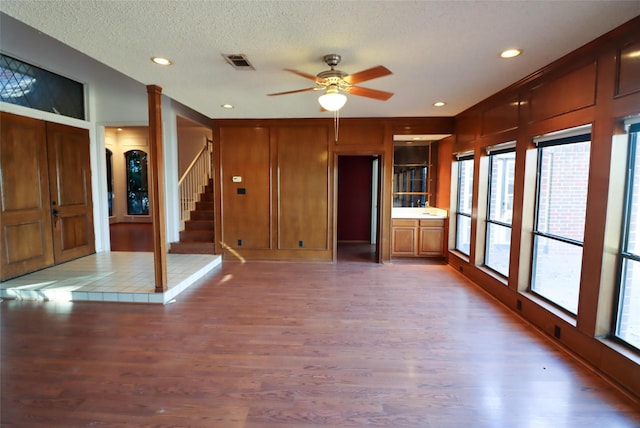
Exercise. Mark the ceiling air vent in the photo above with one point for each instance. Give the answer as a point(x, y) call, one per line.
point(238, 61)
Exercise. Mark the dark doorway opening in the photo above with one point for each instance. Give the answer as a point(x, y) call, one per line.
point(357, 208)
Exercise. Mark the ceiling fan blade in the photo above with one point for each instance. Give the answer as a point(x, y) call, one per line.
point(302, 74)
point(371, 73)
point(369, 93)
point(293, 92)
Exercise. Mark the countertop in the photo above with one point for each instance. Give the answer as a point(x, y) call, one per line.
point(419, 213)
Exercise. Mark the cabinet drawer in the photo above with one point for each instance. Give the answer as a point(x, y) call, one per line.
point(404, 222)
point(431, 222)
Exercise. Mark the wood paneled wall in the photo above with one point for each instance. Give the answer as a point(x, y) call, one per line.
point(285, 206)
point(303, 188)
point(598, 84)
point(246, 204)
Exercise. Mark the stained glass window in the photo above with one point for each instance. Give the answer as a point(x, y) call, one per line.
point(30, 86)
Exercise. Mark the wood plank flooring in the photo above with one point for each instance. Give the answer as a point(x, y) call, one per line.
point(131, 237)
point(268, 345)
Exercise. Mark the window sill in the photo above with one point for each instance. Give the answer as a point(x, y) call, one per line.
point(493, 274)
point(620, 349)
point(571, 320)
point(462, 256)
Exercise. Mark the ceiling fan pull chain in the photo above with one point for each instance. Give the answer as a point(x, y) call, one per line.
point(336, 121)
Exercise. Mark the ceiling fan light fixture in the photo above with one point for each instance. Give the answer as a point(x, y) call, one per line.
point(332, 100)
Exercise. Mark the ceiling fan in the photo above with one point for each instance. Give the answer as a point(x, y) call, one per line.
point(336, 83)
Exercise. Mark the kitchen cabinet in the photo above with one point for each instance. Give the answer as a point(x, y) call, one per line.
point(417, 237)
point(405, 237)
point(431, 237)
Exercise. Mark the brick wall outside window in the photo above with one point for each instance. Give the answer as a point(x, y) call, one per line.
point(563, 190)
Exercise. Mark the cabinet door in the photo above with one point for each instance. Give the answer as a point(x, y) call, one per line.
point(431, 243)
point(404, 241)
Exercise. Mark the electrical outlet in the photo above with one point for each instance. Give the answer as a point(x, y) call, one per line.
point(557, 332)
point(301, 243)
point(519, 305)
point(460, 268)
point(239, 242)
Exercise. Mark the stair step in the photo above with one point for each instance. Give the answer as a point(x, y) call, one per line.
point(192, 248)
point(198, 224)
point(206, 196)
point(204, 206)
point(202, 215)
point(196, 236)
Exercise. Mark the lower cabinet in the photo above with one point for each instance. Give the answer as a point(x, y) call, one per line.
point(405, 237)
point(431, 237)
point(417, 237)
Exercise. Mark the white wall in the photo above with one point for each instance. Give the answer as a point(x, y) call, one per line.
point(190, 141)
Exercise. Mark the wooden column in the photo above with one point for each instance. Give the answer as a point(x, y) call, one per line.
point(156, 188)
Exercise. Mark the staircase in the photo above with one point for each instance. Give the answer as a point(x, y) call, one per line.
point(197, 236)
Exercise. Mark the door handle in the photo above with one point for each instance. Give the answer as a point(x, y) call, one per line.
point(54, 213)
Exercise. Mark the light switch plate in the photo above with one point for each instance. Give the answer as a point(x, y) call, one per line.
point(237, 179)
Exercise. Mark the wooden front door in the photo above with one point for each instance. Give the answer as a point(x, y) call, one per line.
point(25, 216)
point(42, 163)
point(70, 190)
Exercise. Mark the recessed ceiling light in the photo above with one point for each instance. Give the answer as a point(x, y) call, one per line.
point(119, 129)
point(226, 106)
point(161, 61)
point(416, 138)
point(439, 104)
point(510, 53)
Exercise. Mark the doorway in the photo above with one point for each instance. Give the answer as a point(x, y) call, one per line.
point(358, 190)
point(130, 227)
point(47, 214)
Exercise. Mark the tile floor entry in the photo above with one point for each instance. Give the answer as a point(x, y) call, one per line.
point(110, 277)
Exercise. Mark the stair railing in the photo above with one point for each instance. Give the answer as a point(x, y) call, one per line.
point(194, 180)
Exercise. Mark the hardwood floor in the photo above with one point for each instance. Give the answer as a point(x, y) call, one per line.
point(356, 252)
point(268, 345)
point(131, 237)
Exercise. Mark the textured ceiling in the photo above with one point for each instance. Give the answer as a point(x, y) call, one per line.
point(437, 50)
